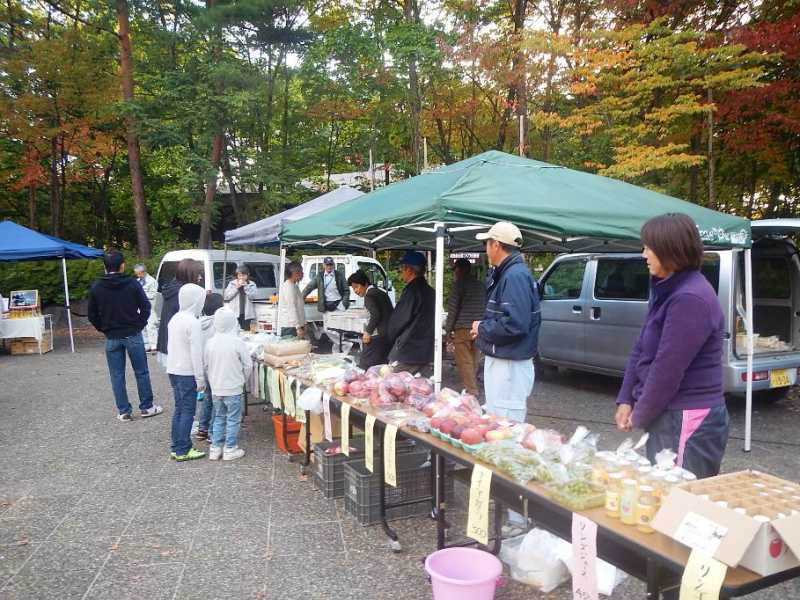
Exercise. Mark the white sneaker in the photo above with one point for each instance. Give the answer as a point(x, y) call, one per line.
point(214, 452)
point(152, 411)
point(232, 453)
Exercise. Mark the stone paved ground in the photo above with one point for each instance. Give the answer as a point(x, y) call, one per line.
point(92, 508)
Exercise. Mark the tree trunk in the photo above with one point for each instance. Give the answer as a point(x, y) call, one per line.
point(712, 199)
point(32, 206)
point(411, 16)
point(211, 190)
point(228, 173)
point(55, 189)
point(134, 157)
point(517, 89)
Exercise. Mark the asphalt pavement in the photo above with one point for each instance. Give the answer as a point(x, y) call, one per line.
point(93, 508)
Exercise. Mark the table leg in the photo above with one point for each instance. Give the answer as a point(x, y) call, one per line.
point(653, 592)
point(438, 468)
point(307, 457)
point(394, 542)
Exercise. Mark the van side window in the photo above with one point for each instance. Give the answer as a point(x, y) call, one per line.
point(262, 274)
point(229, 274)
point(564, 281)
point(710, 269)
point(619, 279)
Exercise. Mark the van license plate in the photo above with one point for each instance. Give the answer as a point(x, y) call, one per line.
point(779, 378)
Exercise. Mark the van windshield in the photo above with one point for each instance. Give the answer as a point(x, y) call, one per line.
point(262, 274)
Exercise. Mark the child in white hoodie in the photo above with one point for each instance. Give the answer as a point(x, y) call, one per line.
point(212, 304)
point(185, 368)
point(228, 365)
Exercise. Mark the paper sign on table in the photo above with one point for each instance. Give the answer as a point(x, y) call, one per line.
point(479, 497)
point(369, 428)
point(326, 411)
point(702, 579)
point(389, 439)
point(345, 441)
point(700, 533)
point(584, 558)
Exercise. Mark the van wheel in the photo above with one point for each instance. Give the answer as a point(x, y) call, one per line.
point(771, 396)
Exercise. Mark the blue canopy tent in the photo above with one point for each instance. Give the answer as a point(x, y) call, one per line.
point(18, 243)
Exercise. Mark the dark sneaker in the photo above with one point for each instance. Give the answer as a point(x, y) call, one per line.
point(201, 435)
point(152, 411)
point(125, 417)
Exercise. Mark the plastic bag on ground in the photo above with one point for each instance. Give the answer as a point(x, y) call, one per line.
point(608, 576)
point(532, 559)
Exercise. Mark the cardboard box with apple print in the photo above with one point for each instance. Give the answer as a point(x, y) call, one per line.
point(748, 519)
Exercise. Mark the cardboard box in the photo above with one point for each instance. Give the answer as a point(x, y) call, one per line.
point(763, 535)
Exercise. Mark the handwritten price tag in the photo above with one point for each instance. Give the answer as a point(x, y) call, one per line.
point(345, 429)
point(389, 439)
point(326, 411)
point(584, 558)
point(702, 579)
point(479, 497)
point(369, 428)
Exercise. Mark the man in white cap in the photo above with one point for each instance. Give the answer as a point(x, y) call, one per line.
point(509, 333)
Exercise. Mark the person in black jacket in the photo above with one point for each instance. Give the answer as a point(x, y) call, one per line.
point(376, 345)
point(411, 326)
point(119, 309)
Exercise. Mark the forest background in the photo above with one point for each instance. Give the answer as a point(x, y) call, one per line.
point(155, 124)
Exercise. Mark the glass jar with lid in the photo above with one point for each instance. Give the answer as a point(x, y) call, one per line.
point(627, 501)
point(646, 508)
point(613, 491)
point(602, 464)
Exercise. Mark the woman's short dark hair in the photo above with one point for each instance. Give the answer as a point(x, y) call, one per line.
point(674, 239)
point(292, 268)
point(189, 271)
point(358, 277)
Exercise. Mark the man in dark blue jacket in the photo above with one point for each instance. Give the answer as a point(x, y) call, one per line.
point(509, 332)
point(119, 309)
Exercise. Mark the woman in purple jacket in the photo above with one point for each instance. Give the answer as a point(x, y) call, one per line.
point(673, 381)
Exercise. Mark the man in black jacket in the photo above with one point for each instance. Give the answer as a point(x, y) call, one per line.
point(119, 309)
point(331, 288)
point(411, 326)
point(375, 350)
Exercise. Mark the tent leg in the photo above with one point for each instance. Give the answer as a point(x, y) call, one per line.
point(281, 276)
point(224, 268)
point(437, 351)
point(748, 291)
point(66, 299)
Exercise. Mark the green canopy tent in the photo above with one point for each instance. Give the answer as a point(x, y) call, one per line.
point(557, 209)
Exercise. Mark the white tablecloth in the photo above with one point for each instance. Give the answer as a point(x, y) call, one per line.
point(20, 328)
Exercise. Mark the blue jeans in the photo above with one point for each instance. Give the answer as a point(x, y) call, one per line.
point(115, 356)
point(227, 420)
point(184, 387)
point(206, 411)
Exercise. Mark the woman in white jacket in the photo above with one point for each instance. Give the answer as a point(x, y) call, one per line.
point(229, 365)
point(239, 296)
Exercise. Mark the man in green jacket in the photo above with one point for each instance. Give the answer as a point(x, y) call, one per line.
point(331, 286)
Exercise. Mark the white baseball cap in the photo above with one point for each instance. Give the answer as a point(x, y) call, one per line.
point(503, 231)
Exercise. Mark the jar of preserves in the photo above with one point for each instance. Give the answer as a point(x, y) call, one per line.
point(646, 508)
point(601, 465)
point(613, 491)
point(628, 500)
point(643, 474)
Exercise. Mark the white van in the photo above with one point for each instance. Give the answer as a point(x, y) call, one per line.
point(263, 268)
point(594, 305)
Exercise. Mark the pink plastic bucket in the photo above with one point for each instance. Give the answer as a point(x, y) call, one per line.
point(463, 573)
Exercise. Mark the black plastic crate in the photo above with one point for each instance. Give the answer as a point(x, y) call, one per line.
point(329, 468)
point(362, 489)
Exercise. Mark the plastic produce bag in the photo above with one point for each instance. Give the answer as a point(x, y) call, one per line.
point(533, 559)
point(311, 399)
point(608, 576)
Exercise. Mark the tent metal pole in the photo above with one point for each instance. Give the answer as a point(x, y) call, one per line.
point(66, 299)
point(437, 350)
point(224, 266)
point(748, 291)
point(281, 276)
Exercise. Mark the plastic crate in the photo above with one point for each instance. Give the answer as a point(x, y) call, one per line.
point(329, 468)
point(362, 490)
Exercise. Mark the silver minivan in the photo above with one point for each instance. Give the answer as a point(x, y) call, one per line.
point(594, 305)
